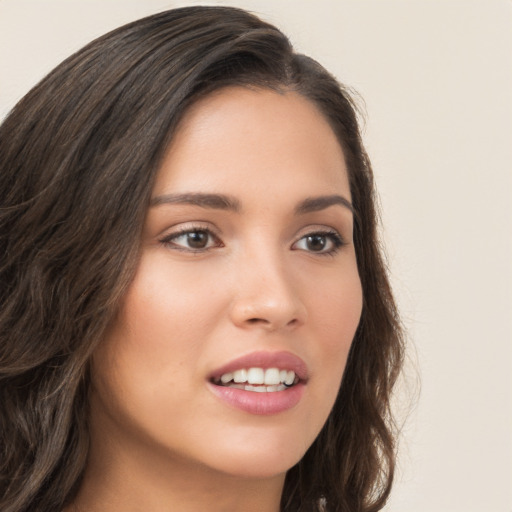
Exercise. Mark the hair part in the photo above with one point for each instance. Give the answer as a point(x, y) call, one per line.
point(78, 157)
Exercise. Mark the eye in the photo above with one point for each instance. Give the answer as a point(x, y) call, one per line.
point(192, 240)
point(323, 242)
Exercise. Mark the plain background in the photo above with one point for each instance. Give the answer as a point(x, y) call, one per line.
point(436, 78)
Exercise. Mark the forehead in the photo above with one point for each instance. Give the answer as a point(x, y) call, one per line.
point(253, 138)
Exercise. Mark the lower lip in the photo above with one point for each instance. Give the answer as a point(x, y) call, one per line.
point(265, 404)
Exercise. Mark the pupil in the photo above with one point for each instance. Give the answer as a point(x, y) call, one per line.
point(316, 242)
point(197, 239)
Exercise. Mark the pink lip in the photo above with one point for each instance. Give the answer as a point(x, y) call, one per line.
point(266, 403)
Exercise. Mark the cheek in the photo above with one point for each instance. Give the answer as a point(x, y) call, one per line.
point(166, 319)
point(152, 337)
point(170, 304)
point(336, 312)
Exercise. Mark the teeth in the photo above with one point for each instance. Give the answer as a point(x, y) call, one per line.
point(259, 389)
point(290, 378)
point(272, 376)
point(238, 376)
point(226, 378)
point(259, 379)
point(255, 376)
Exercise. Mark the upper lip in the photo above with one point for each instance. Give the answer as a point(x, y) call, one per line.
point(282, 360)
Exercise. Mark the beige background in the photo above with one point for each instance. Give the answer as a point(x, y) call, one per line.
point(437, 80)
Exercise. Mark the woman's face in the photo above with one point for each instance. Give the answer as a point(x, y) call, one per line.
point(247, 272)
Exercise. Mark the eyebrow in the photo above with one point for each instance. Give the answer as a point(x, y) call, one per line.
point(216, 201)
point(315, 204)
point(225, 202)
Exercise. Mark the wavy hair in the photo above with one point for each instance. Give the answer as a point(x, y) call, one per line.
point(78, 158)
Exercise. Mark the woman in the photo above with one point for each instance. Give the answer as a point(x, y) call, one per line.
point(195, 312)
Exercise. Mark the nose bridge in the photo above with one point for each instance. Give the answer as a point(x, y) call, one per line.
point(266, 294)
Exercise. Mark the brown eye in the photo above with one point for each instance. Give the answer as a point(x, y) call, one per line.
point(316, 243)
point(197, 239)
point(322, 242)
point(192, 240)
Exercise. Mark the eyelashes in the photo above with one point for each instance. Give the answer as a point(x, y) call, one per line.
point(192, 239)
point(200, 239)
point(319, 242)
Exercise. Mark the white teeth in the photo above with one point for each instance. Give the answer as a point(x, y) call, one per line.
point(259, 379)
point(281, 387)
point(272, 376)
point(239, 376)
point(259, 389)
point(226, 378)
point(290, 378)
point(255, 376)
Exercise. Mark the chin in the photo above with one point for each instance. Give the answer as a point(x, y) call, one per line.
point(260, 469)
point(264, 456)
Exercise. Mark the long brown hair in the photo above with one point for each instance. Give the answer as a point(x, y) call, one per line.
point(78, 156)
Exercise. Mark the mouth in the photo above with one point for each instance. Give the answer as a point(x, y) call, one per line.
point(262, 383)
point(258, 379)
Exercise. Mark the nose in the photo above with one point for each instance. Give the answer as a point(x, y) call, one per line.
point(266, 297)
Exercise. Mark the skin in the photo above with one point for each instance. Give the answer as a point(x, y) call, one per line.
point(159, 436)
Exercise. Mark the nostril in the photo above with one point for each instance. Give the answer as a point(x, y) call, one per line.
point(263, 321)
point(256, 320)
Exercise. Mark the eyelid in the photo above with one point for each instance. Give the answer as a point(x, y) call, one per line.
point(335, 236)
point(183, 229)
point(320, 229)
